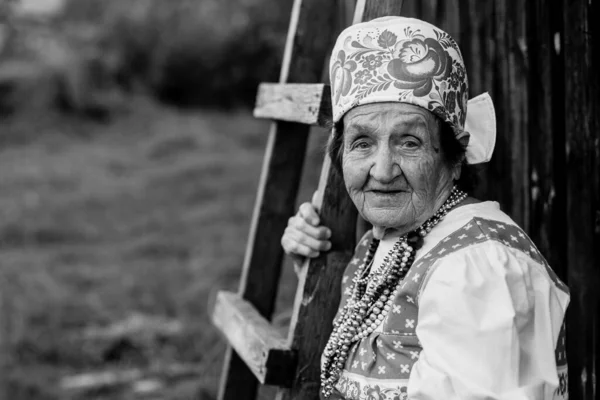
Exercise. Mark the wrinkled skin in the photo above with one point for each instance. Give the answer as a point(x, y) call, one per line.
point(394, 172)
point(393, 165)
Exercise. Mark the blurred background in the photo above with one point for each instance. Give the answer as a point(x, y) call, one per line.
point(129, 162)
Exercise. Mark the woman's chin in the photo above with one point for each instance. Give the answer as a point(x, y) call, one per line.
point(389, 219)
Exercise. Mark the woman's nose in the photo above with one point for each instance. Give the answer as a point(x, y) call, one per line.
point(385, 167)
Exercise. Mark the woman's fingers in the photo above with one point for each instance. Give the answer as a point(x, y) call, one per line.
point(303, 236)
point(317, 232)
point(298, 242)
point(295, 248)
point(309, 214)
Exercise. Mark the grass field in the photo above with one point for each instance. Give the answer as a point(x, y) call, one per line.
point(105, 226)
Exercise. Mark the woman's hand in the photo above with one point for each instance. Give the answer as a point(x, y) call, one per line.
point(303, 236)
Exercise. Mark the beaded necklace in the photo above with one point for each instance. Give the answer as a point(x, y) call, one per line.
point(372, 294)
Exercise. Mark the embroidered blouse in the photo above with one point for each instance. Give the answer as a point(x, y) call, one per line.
point(478, 316)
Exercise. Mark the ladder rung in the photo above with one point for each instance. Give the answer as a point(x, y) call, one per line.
point(261, 346)
point(294, 102)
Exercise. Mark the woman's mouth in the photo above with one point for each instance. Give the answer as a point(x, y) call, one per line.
point(386, 192)
point(384, 198)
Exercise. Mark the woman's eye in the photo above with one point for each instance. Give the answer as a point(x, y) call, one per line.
point(410, 144)
point(360, 145)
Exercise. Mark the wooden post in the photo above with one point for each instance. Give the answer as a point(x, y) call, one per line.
point(493, 42)
point(545, 63)
point(309, 38)
point(581, 46)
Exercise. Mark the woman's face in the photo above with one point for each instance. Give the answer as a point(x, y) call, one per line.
point(393, 165)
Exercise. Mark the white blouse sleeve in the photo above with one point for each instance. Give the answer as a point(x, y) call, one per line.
point(489, 319)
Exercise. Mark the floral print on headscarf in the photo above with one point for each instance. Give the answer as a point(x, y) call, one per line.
point(399, 59)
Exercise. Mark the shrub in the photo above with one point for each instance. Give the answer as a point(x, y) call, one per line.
point(191, 52)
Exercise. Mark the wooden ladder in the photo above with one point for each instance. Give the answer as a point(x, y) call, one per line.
point(257, 352)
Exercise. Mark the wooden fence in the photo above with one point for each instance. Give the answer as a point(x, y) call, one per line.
point(540, 61)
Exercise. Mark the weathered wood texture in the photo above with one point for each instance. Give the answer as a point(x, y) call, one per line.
point(317, 297)
point(310, 36)
point(261, 346)
point(547, 217)
point(581, 47)
point(294, 102)
point(262, 265)
point(493, 41)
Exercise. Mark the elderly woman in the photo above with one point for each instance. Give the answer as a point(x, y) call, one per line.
point(446, 297)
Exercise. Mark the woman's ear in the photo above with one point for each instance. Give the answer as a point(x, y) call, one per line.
point(456, 171)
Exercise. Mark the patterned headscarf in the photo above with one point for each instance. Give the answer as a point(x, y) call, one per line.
point(397, 59)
